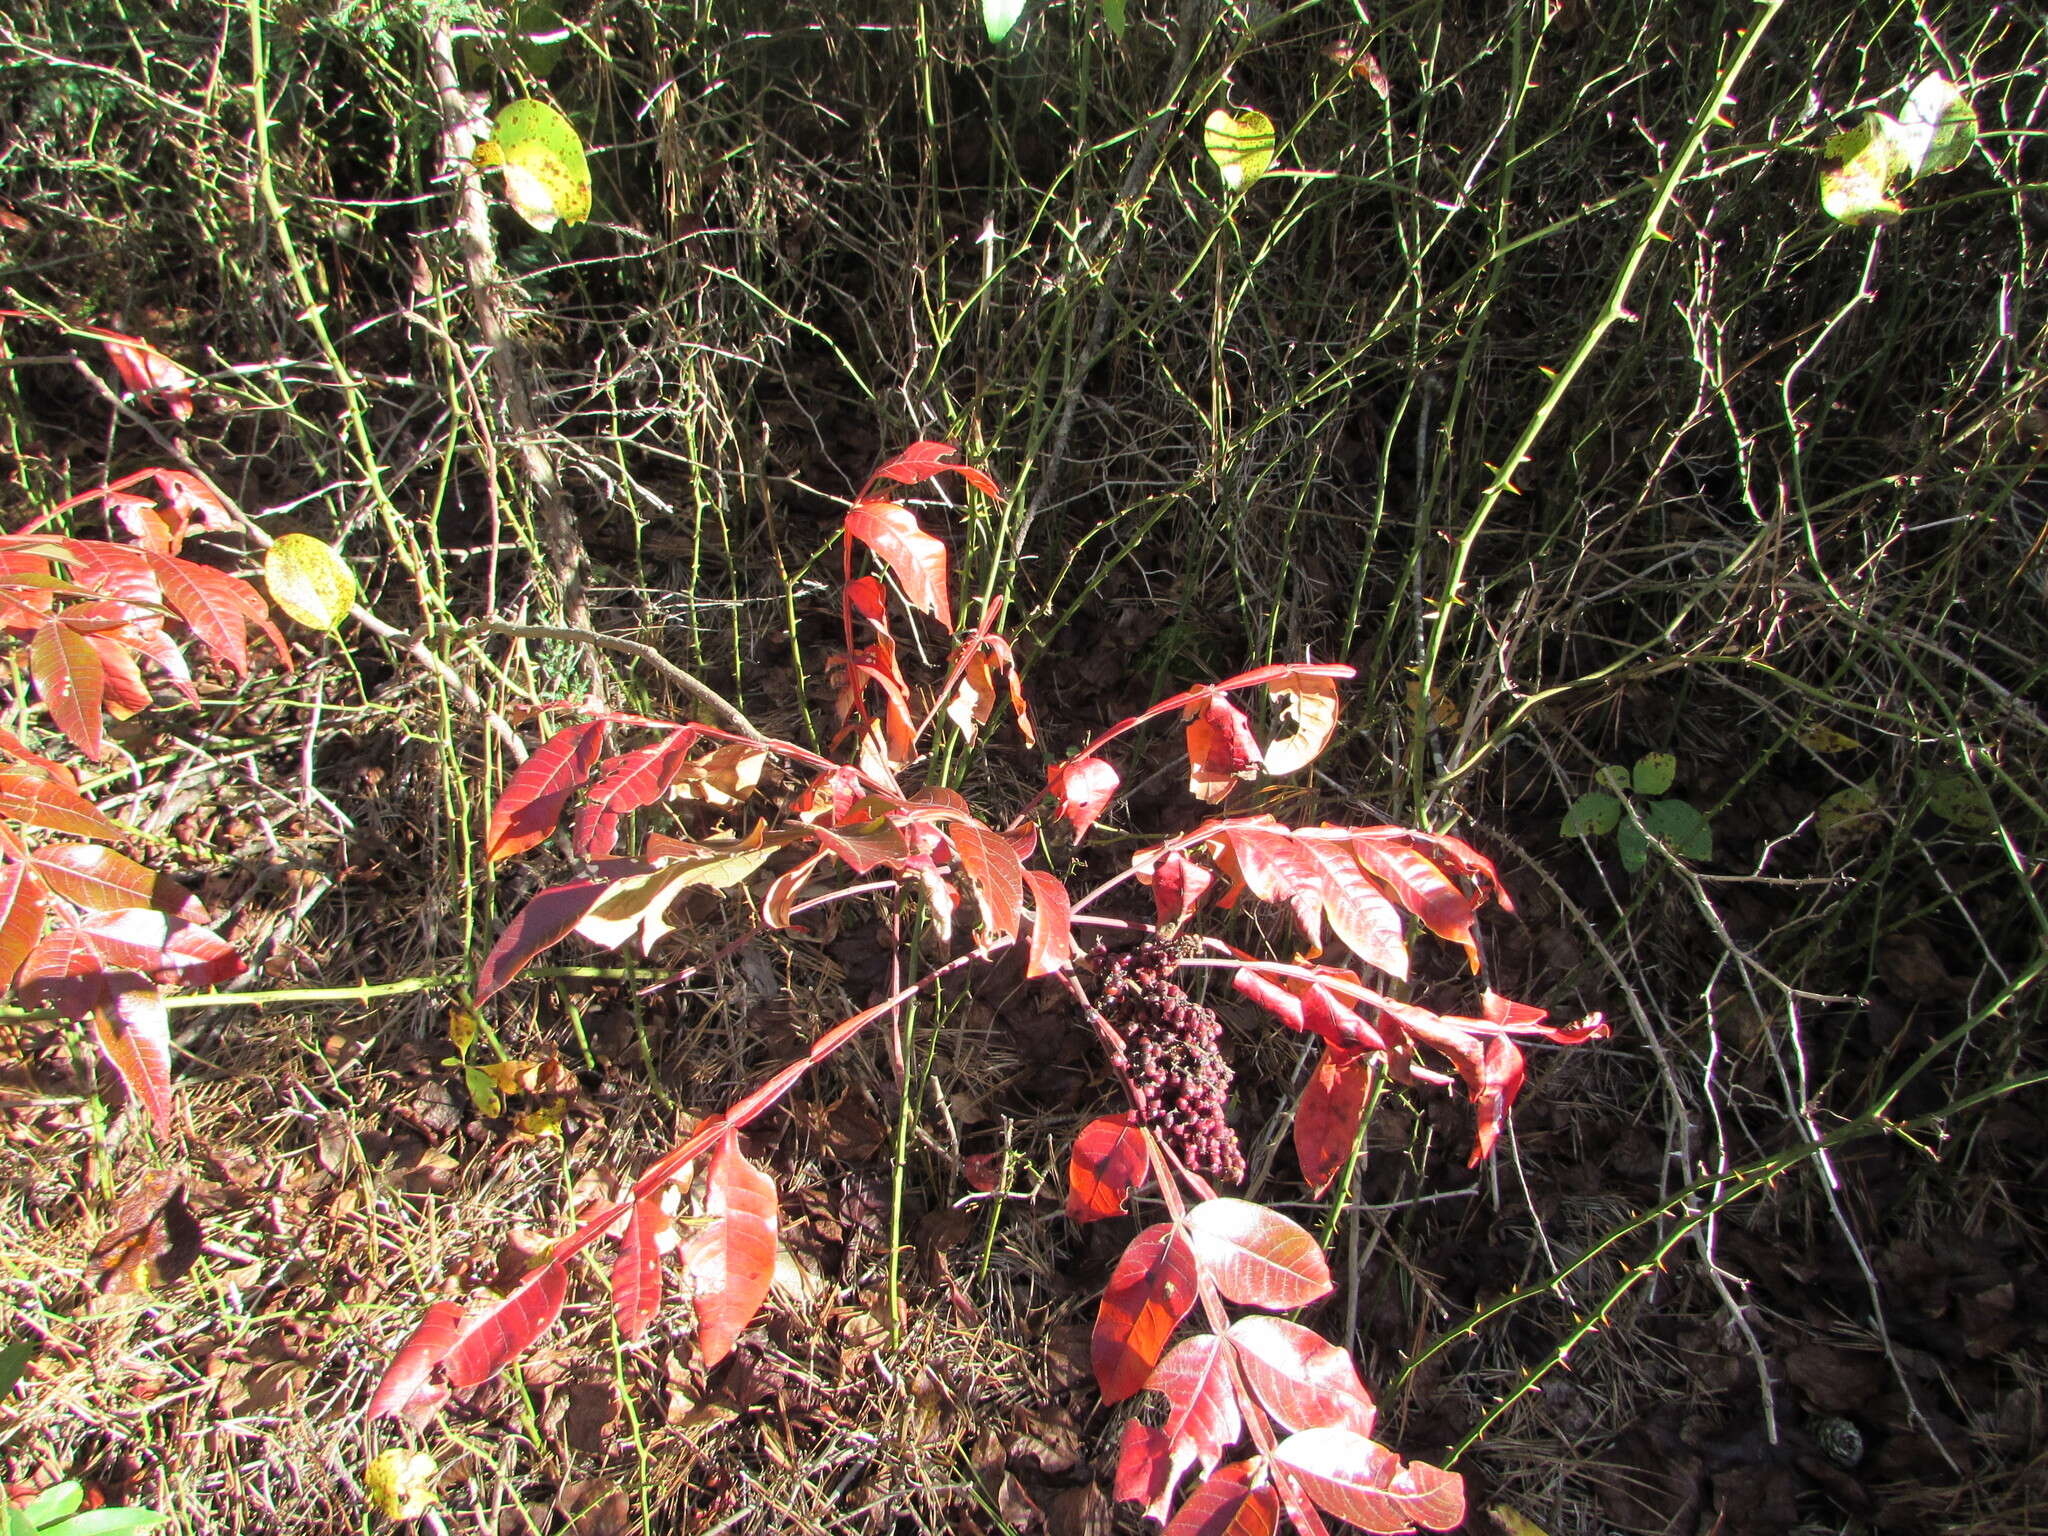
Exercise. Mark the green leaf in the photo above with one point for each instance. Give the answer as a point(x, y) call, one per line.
point(483, 1091)
point(538, 35)
point(1113, 13)
point(1591, 815)
point(1633, 845)
point(1960, 800)
point(1241, 144)
point(1680, 825)
point(106, 1522)
point(309, 581)
point(1654, 773)
point(546, 177)
point(1937, 128)
point(1848, 813)
point(14, 1360)
point(1823, 739)
point(1615, 777)
point(1857, 170)
point(54, 1503)
point(999, 16)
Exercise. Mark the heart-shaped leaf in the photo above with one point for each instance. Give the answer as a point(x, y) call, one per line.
point(546, 177)
point(1241, 144)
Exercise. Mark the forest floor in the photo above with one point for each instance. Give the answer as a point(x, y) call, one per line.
point(1765, 1262)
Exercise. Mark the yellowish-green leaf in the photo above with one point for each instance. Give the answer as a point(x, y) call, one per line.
point(463, 1025)
point(1241, 144)
point(1654, 773)
point(1857, 170)
point(640, 903)
point(1959, 800)
point(546, 177)
point(400, 1483)
point(309, 582)
point(1822, 739)
point(1848, 814)
point(1937, 127)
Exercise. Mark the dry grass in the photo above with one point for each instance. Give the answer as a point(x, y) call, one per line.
point(1785, 525)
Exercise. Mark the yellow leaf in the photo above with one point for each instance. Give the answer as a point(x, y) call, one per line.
point(1819, 738)
point(309, 582)
point(546, 177)
point(1514, 1522)
point(1241, 144)
point(400, 1483)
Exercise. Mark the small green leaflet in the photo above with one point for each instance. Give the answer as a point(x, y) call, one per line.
point(1592, 815)
point(1654, 773)
point(546, 177)
point(999, 16)
point(1241, 144)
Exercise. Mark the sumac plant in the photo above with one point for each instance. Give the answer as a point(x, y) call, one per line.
point(85, 930)
point(1272, 1418)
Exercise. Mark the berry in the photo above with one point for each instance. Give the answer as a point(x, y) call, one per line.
point(1172, 1057)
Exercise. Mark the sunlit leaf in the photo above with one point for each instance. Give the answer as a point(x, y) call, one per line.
point(1937, 127)
point(1255, 1256)
point(1241, 144)
point(547, 178)
point(1150, 1291)
point(308, 581)
point(400, 1483)
point(1109, 1160)
point(731, 1261)
point(1000, 17)
point(1363, 1482)
point(1083, 787)
point(1299, 1376)
point(1311, 698)
point(71, 682)
point(1858, 168)
point(527, 812)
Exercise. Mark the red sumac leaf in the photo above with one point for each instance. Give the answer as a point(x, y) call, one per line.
point(1204, 1420)
point(1327, 1119)
point(527, 812)
point(167, 949)
point(71, 681)
point(1302, 1379)
point(1359, 913)
point(921, 460)
point(102, 880)
point(501, 1331)
point(148, 374)
point(1178, 884)
point(632, 781)
point(1228, 1505)
point(1144, 1469)
point(1150, 1291)
point(134, 1034)
point(1357, 1480)
point(215, 604)
point(1110, 1159)
point(636, 1276)
point(550, 917)
point(1052, 932)
point(22, 910)
point(1256, 1256)
point(1221, 748)
point(998, 876)
point(1421, 888)
point(1084, 788)
point(732, 1260)
point(406, 1386)
point(37, 800)
point(914, 557)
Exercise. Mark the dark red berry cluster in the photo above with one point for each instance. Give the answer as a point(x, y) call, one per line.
point(1172, 1056)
